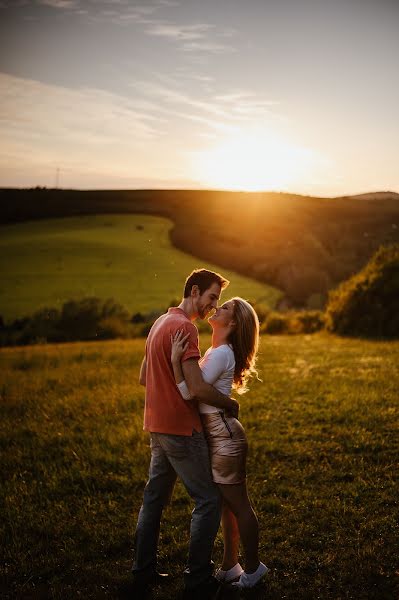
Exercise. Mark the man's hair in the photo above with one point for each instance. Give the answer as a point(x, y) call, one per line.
point(204, 279)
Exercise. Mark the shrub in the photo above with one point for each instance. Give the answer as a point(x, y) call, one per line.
point(86, 319)
point(294, 322)
point(43, 326)
point(275, 323)
point(138, 318)
point(367, 303)
point(113, 327)
point(308, 321)
point(262, 310)
point(80, 319)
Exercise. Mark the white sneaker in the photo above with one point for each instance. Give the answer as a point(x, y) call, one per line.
point(249, 580)
point(229, 575)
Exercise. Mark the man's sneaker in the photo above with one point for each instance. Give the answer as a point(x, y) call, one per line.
point(249, 580)
point(229, 575)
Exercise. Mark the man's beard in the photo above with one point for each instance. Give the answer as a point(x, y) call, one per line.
point(203, 312)
point(206, 311)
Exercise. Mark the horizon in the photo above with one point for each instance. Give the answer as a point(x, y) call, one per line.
point(208, 190)
point(287, 96)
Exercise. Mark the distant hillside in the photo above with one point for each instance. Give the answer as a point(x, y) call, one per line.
point(129, 258)
point(300, 244)
point(376, 196)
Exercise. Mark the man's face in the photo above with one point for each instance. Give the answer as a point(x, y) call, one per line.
point(208, 300)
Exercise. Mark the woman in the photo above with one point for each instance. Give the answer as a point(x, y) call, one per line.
point(228, 363)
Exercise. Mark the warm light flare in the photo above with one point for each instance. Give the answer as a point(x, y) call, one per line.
point(254, 162)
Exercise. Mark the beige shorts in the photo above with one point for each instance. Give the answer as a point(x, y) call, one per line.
point(228, 447)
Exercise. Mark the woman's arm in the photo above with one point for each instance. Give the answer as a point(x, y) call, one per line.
point(205, 392)
point(179, 345)
point(197, 387)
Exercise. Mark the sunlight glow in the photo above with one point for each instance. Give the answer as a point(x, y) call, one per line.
point(254, 161)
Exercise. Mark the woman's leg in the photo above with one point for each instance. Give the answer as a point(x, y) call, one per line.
point(236, 497)
point(231, 538)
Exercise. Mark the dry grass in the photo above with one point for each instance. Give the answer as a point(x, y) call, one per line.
point(323, 476)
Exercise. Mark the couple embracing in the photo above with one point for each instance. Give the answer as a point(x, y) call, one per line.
point(196, 436)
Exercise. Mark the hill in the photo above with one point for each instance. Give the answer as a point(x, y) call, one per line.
point(126, 257)
point(378, 196)
point(303, 245)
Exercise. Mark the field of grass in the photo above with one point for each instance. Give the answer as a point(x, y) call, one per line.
point(323, 470)
point(126, 257)
point(302, 245)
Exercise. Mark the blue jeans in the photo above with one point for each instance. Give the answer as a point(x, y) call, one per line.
point(185, 457)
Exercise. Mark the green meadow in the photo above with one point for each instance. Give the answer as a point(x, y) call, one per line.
point(323, 469)
point(126, 257)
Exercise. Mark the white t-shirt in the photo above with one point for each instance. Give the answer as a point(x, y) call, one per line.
point(217, 366)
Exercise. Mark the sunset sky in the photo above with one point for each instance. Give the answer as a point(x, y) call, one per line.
point(296, 95)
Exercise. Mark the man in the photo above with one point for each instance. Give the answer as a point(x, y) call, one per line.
point(178, 445)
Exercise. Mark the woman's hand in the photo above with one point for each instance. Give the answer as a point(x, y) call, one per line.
point(233, 409)
point(179, 345)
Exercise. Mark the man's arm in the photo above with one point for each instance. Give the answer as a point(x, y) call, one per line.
point(143, 370)
point(204, 392)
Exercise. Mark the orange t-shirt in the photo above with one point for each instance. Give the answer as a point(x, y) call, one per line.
point(165, 410)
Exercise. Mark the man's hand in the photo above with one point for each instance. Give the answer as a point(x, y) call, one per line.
point(234, 409)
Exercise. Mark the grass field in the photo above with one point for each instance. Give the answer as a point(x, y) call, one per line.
point(301, 244)
point(125, 257)
point(323, 470)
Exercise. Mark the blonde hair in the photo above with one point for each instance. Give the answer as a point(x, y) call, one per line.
point(245, 341)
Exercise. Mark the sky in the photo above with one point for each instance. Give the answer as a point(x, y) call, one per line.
point(285, 95)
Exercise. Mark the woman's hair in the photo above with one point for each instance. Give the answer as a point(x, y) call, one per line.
point(244, 340)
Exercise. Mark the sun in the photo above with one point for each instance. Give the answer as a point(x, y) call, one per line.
point(253, 162)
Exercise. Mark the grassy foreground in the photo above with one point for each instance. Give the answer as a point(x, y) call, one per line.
point(323, 472)
point(126, 257)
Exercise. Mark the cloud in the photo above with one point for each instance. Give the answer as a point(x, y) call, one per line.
point(198, 37)
point(83, 130)
point(127, 13)
point(88, 112)
point(119, 8)
point(205, 46)
point(153, 129)
point(218, 112)
point(4, 4)
point(168, 3)
point(179, 32)
point(152, 110)
point(61, 4)
point(193, 38)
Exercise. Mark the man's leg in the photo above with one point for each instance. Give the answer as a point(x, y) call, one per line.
point(189, 457)
point(157, 494)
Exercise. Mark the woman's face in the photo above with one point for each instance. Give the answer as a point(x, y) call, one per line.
point(223, 316)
